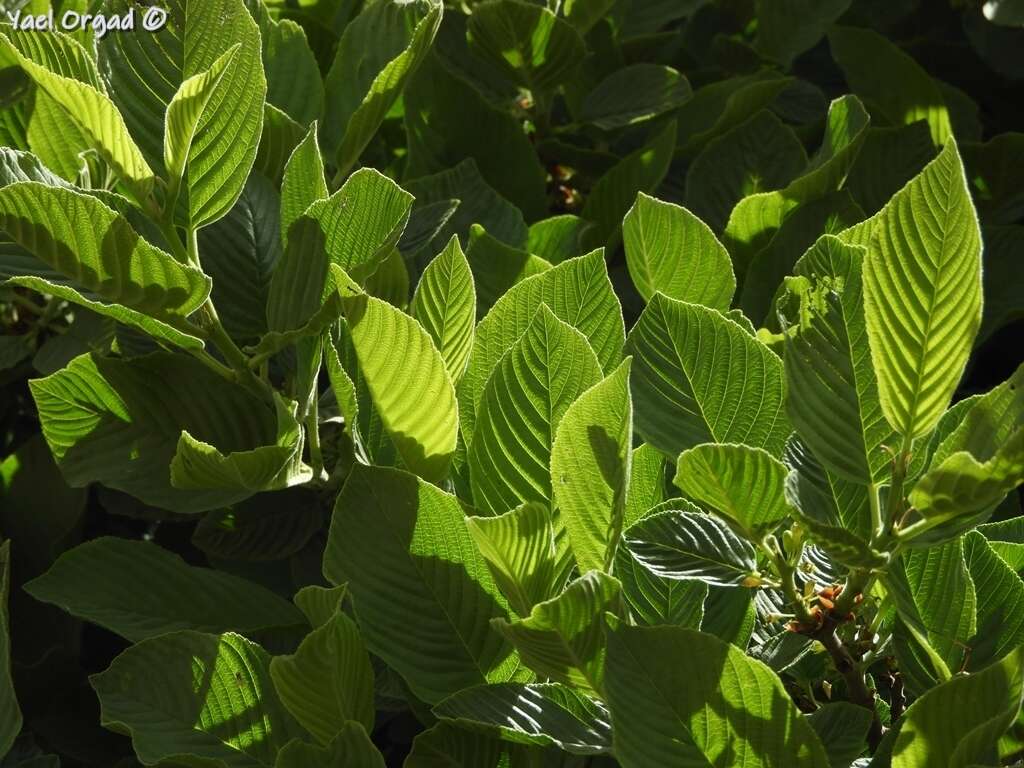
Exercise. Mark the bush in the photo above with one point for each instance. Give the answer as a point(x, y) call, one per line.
point(499, 384)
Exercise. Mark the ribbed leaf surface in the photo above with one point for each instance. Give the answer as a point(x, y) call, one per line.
point(578, 291)
point(194, 697)
point(445, 305)
point(957, 723)
point(199, 466)
point(683, 698)
point(97, 416)
point(757, 218)
point(87, 247)
point(449, 746)
point(833, 396)
point(140, 590)
point(563, 638)
point(419, 411)
point(1000, 600)
point(519, 548)
point(90, 109)
point(240, 253)
point(227, 135)
point(656, 600)
point(423, 595)
point(670, 250)
point(303, 182)
point(922, 293)
point(525, 400)
point(328, 680)
point(185, 112)
point(699, 377)
point(590, 469)
point(688, 545)
point(745, 484)
point(542, 714)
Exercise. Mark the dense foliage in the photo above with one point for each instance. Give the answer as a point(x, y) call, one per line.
point(604, 382)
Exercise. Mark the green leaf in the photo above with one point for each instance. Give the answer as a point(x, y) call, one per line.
point(962, 485)
point(646, 482)
point(140, 590)
point(613, 194)
point(478, 203)
point(240, 253)
point(833, 398)
point(691, 545)
point(958, 722)
point(842, 728)
point(892, 82)
point(935, 596)
point(328, 680)
point(525, 399)
point(828, 215)
point(577, 291)
point(88, 254)
point(519, 548)
point(528, 43)
point(294, 84)
point(378, 52)
point(497, 266)
point(281, 135)
point(90, 109)
point(655, 599)
point(590, 468)
point(979, 462)
point(699, 377)
point(758, 155)
point(355, 229)
point(445, 305)
point(423, 595)
point(718, 107)
point(227, 135)
point(544, 714)
point(744, 484)
point(198, 698)
point(670, 250)
point(303, 182)
point(997, 194)
point(681, 697)
point(634, 94)
point(352, 748)
point(788, 28)
point(888, 159)
point(1000, 600)
point(757, 218)
point(563, 638)
point(184, 113)
point(97, 417)
point(558, 238)
point(10, 712)
point(922, 294)
point(199, 466)
point(419, 412)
